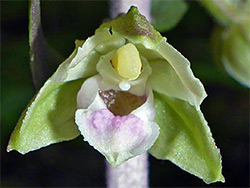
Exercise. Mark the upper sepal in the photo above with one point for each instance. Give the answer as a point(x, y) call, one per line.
point(134, 27)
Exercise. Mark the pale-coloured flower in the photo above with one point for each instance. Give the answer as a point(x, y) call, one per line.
point(126, 91)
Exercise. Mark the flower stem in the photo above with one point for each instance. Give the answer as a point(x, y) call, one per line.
point(122, 6)
point(132, 174)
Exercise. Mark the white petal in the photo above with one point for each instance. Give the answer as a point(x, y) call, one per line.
point(146, 112)
point(117, 138)
point(88, 92)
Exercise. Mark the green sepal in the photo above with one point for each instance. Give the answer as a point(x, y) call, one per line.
point(185, 139)
point(134, 27)
point(49, 118)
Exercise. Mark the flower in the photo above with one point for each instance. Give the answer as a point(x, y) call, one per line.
point(231, 40)
point(128, 91)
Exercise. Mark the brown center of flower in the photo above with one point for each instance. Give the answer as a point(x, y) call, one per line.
point(121, 102)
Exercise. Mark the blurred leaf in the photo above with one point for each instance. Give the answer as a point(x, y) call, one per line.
point(166, 14)
point(226, 12)
point(48, 119)
point(216, 41)
point(43, 59)
point(185, 139)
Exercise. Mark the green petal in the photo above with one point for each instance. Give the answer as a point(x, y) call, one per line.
point(134, 27)
point(185, 139)
point(48, 119)
point(179, 78)
point(82, 62)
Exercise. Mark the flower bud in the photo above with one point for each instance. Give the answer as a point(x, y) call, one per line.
point(235, 52)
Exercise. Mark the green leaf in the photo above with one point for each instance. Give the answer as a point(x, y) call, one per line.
point(166, 14)
point(185, 139)
point(43, 59)
point(134, 27)
point(48, 119)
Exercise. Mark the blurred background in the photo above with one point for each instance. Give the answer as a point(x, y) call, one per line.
point(75, 163)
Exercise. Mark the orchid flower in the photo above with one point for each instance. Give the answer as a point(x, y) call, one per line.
point(126, 91)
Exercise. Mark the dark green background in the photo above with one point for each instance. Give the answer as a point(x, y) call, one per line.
point(75, 163)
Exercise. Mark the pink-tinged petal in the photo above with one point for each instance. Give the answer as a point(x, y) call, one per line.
point(118, 138)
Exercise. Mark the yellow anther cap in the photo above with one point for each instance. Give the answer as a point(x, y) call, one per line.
point(127, 62)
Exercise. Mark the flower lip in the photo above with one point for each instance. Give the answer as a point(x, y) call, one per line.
point(125, 103)
point(121, 102)
point(117, 137)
